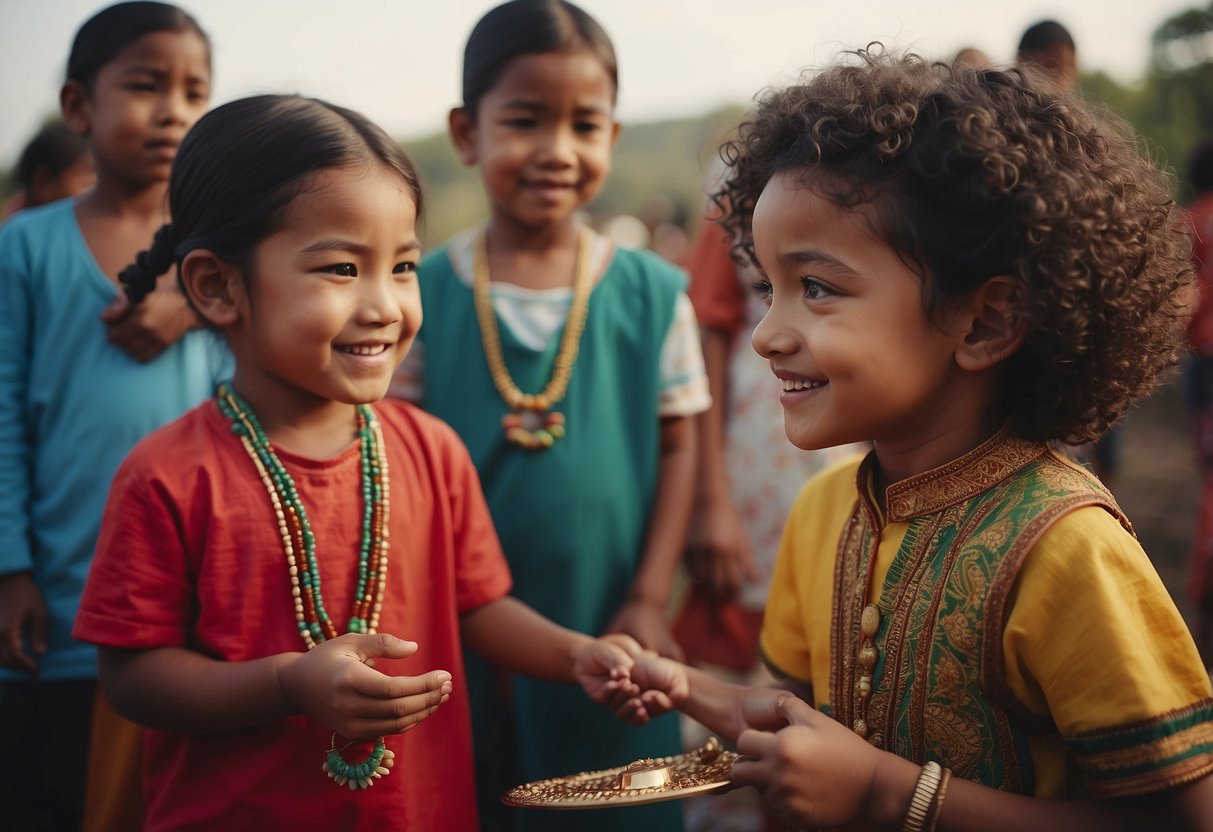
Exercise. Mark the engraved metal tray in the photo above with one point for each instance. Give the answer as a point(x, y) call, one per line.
point(653, 780)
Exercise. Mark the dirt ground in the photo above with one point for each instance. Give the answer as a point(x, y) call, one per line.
point(1158, 485)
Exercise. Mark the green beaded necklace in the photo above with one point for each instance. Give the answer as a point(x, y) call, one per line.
point(311, 618)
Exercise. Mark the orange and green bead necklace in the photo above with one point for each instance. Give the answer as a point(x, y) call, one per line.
point(299, 547)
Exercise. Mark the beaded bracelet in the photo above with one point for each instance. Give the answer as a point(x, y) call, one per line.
point(923, 799)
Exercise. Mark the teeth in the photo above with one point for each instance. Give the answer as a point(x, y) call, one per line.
point(366, 350)
point(801, 384)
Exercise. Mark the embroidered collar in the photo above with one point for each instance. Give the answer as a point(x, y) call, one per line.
point(930, 492)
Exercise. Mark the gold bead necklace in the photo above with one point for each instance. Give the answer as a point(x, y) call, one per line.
point(530, 423)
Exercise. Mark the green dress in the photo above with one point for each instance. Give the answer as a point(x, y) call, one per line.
point(572, 518)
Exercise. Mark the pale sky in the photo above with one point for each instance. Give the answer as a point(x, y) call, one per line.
point(398, 61)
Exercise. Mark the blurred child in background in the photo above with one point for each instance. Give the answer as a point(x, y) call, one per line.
point(55, 164)
point(572, 369)
point(82, 378)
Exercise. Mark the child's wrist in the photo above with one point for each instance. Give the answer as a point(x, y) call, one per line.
point(893, 786)
point(646, 599)
point(283, 664)
point(922, 815)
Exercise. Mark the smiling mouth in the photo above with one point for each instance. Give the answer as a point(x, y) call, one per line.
point(364, 349)
point(792, 385)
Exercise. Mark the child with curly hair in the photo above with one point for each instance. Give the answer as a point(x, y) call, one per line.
point(962, 268)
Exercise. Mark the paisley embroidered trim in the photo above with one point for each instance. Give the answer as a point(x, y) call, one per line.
point(938, 689)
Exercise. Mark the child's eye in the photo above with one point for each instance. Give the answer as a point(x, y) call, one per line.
point(762, 288)
point(814, 289)
point(141, 86)
point(586, 127)
point(521, 122)
point(407, 267)
point(343, 269)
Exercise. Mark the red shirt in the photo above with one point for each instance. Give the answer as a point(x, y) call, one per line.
point(190, 556)
point(717, 295)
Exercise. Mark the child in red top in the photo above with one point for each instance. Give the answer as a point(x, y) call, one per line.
point(241, 540)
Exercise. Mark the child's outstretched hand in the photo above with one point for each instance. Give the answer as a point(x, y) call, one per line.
point(602, 668)
point(656, 686)
point(664, 685)
point(337, 684)
point(154, 325)
point(809, 769)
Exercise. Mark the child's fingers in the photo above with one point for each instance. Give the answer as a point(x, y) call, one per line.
point(383, 646)
point(618, 696)
point(12, 652)
point(657, 702)
point(375, 685)
point(632, 711)
point(768, 709)
point(753, 769)
point(796, 711)
point(396, 716)
point(118, 309)
point(629, 645)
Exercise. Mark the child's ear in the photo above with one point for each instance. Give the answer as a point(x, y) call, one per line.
point(993, 326)
point(73, 105)
point(213, 287)
point(463, 135)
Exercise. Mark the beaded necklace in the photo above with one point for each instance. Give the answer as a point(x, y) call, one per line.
point(531, 423)
point(866, 656)
point(866, 652)
point(311, 618)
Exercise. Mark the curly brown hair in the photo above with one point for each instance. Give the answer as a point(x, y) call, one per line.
point(971, 173)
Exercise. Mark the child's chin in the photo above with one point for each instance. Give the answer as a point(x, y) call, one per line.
point(815, 441)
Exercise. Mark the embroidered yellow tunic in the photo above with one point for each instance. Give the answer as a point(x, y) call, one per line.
point(1058, 667)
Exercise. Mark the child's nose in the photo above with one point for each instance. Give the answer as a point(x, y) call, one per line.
point(769, 337)
point(557, 146)
point(380, 303)
point(173, 107)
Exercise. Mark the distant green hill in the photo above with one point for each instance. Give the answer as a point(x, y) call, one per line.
point(657, 166)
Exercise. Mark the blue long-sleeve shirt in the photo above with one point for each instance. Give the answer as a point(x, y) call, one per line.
point(71, 406)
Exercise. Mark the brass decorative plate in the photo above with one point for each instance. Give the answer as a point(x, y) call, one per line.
point(652, 780)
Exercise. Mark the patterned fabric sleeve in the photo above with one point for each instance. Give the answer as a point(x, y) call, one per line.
point(1094, 641)
point(684, 381)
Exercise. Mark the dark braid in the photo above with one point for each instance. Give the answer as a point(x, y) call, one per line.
point(139, 278)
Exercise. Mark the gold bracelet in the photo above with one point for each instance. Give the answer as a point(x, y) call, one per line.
point(937, 803)
point(923, 798)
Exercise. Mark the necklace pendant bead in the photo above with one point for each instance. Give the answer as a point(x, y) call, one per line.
point(530, 424)
point(533, 429)
point(869, 621)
